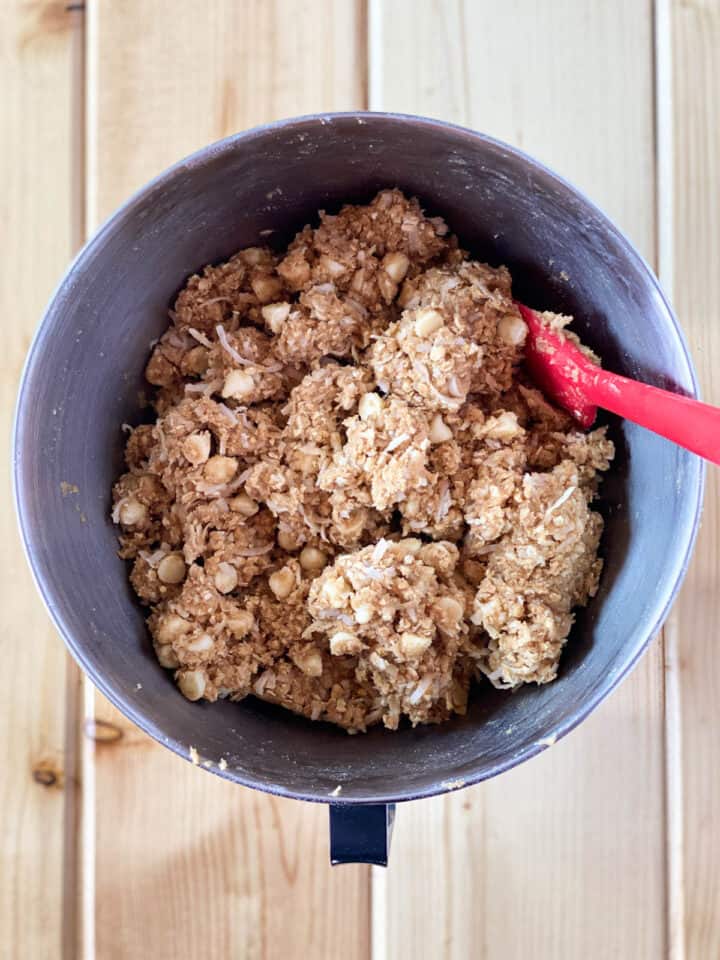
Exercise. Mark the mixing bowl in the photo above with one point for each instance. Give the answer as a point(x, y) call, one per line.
point(85, 371)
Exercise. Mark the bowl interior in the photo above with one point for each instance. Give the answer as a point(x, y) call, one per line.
point(84, 379)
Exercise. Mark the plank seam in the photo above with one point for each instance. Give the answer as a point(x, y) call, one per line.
point(373, 92)
point(86, 747)
point(374, 19)
point(664, 144)
point(363, 42)
point(88, 831)
point(674, 853)
point(72, 866)
point(378, 913)
point(91, 115)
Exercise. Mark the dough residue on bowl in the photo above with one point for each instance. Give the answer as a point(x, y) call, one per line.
point(353, 502)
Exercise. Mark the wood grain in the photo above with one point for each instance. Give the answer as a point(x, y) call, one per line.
point(38, 45)
point(185, 864)
point(694, 252)
point(563, 857)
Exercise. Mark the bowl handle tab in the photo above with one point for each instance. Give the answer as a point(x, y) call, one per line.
point(360, 832)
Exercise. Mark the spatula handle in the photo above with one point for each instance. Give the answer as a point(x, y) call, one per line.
point(689, 423)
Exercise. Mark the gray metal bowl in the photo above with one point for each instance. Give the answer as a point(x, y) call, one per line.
point(84, 373)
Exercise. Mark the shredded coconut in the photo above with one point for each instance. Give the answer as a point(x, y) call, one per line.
point(561, 500)
point(420, 690)
point(397, 442)
point(200, 337)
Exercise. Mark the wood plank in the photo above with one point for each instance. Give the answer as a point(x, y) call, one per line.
point(186, 80)
point(204, 867)
point(38, 46)
point(693, 250)
point(562, 857)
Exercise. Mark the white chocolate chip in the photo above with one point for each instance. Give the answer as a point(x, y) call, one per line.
point(513, 330)
point(428, 321)
point(440, 432)
point(275, 315)
point(396, 266)
point(132, 513)
point(281, 583)
point(192, 684)
point(171, 568)
point(244, 505)
point(170, 628)
point(312, 559)
point(220, 469)
point(370, 405)
point(167, 657)
point(413, 645)
point(196, 447)
point(226, 578)
point(238, 385)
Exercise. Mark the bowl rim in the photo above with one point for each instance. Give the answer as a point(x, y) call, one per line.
point(695, 475)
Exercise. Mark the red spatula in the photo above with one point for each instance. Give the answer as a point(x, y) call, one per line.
point(580, 387)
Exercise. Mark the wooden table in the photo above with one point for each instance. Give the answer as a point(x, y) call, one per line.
point(607, 845)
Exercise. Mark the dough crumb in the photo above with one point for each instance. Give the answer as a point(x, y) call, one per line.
point(352, 501)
